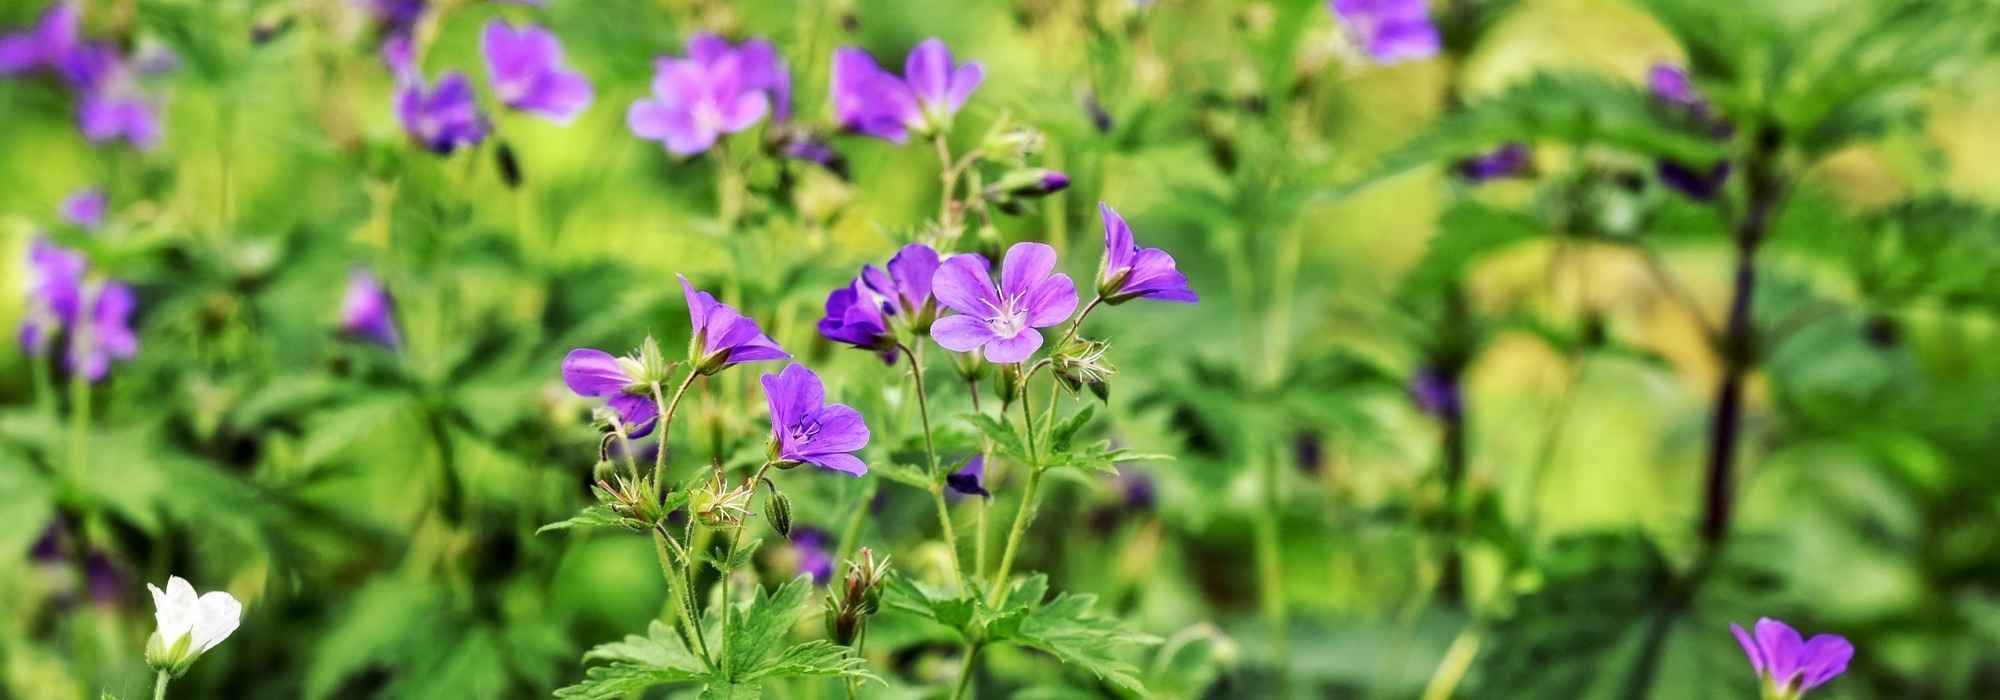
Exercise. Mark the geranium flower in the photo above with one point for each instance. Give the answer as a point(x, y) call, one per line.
point(44, 45)
point(366, 311)
point(722, 336)
point(1791, 666)
point(970, 479)
point(1130, 272)
point(444, 118)
point(1391, 31)
point(84, 208)
point(860, 314)
point(188, 624)
point(872, 101)
point(804, 428)
point(527, 72)
point(716, 90)
point(1002, 319)
point(596, 373)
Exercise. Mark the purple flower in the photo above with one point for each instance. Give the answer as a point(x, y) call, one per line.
point(592, 372)
point(1670, 84)
point(55, 292)
point(394, 16)
point(716, 90)
point(860, 313)
point(1136, 487)
point(1506, 161)
point(722, 336)
point(1130, 272)
point(1693, 183)
point(367, 312)
point(401, 59)
point(1436, 393)
point(813, 557)
point(806, 429)
point(443, 119)
point(84, 208)
point(872, 101)
point(970, 479)
point(1002, 319)
point(112, 115)
point(1792, 666)
point(1391, 31)
point(107, 332)
point(44, 45)
point(527, 72)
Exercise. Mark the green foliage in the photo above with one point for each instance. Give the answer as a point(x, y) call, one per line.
point(1068, 627)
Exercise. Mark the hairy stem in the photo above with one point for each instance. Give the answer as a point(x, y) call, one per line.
point(1021, 517)
point(1725, 428)
point(160, 681)
point(667, 421)
point(678, 593)
point(965, 671)
point(949, 533)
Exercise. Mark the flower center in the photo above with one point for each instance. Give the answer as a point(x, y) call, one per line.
point(1008, 318)
point(803, 431)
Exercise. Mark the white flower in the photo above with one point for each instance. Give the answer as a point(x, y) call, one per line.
point(206, 619)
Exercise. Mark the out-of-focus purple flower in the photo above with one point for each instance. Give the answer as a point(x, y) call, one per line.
point(394, 16)
point(970, 479)
point(44, 45)
point(1308, 451)
point(84, 208)
point(444, 118)
point(758, 66)
point(53, 542)
point(1136, 487)
point(105, 117)
point(1130, 272)
point(807, 429)
point(1391, 31)
point(1436, 393)
point(1508, 160)
point(716, 90)
point(55, 292)
point(809, 546)
point(105, 580)
point(722, 336)
point(1002, 319)
point(1670, 84)
point(105, 334)
point(593, 372)
point(1789, 665)
point(803, 145)
point(861, 313)
point(401, 58)
point(528, 75)
point(367, 312)
point(872, 101)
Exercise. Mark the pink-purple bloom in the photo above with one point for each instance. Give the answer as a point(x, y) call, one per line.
point(804, 428)
point(862, 313)
point(722, 336)
point(596, 373)
point(55, 292)
point(1130, 272)
point(970, 480)
point(875, 102)
point(527, 70)
point(1391, 31)
point(1001, 319)
point(57, 296)
point(1671, 85)
point(84, 208)
point(45, 45)
point(105, 331)
point(367, 312)
point(716, 90)
point(809, 546)
point(1508, 160)
point(1789, 665)
point(443, 118)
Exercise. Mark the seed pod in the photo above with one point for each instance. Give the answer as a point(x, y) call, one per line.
point(510, 169)
point(778, 510)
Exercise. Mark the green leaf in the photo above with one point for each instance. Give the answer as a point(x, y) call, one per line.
point(591, 517)
point(1467, 232)
point(744, 553)
point(1069, 628)
point(1572, 109)
point(818, 657)
point(952, 612)
point(1065, 432)
point(902, 473)
point(1005, 439)
point(757, 630)
point(637, 663)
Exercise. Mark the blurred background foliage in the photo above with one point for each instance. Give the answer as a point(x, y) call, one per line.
point(376, 509)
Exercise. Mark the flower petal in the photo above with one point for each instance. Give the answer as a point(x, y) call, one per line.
point(1007, 351)
point(1749, 647)
point(963, 285)
point(963, 81)
point(841, 429)
point(1051, 302)
point(913, 268)
point(961, 333)
point(840, 462)
point(1118, 245)
point(1824, 656)
point(1782, 649)
point(1024, 268)
point(636, 412)
point(928, 70)
point(593, 372)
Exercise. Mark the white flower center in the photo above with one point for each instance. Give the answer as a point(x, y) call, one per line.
point(1009, 318)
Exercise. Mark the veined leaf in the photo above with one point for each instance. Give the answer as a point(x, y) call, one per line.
point(592, 517)
point(1065, 432)
point(1005, 439)
point(637, 663)
point(1069, 628)
point(757, 631)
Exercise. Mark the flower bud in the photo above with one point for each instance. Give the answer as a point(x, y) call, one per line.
point(653, 366)
point(1007, 384)
point(1027, 182)
point(717, 505)
point(1080, 363)
point(637, 503)
point(1012, 143)
point(860, 596)
point(778, 510)
point(971, 366)
point(173, 659)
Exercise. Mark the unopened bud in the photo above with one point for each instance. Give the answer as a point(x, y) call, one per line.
point(1007, 384)
point(778, 510)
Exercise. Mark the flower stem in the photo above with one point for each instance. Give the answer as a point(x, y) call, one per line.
point(937, 492)
point(667, 421)
point(160, 681)
point(965, 671)
point(947, 180)
point(1027, 509)
point(1078, 323)
point(677, 591)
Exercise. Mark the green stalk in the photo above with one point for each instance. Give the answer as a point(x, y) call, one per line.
point(666, 421)
point(930, 449)
point(965, 672)
point(1027, 509)
point(676, 591)
point(160, 681)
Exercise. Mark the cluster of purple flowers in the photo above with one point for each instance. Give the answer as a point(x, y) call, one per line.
point(1391, 31)
point(109, 104)
point(96, 316)
point(875, 102)
point(524, 65)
